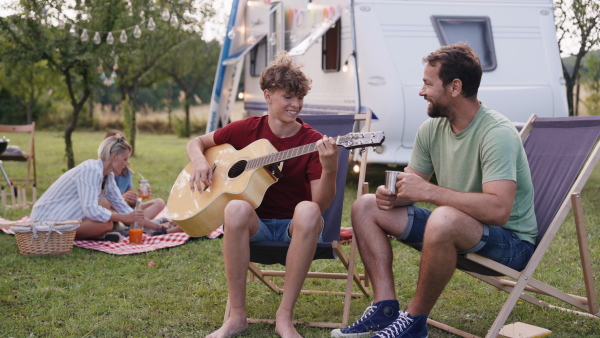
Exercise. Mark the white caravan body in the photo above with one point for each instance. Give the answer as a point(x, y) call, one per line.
point(367, 55)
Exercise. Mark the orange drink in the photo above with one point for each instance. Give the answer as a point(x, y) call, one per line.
point(144, 189)
point(135, 236)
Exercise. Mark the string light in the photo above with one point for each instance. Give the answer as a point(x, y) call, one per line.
point(231, 33)
point(123, 37)
point(137, 32)
point(253, 38)
point(165, 15)
point(84, 35)
point(110, 39)
point(97, 38)
point(313, 15)
point(174, 21)
point(151, 24)
point(317, 17)
point(108, 80)
point(272, 39)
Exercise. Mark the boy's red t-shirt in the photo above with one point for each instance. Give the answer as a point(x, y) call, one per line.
point(293, 186)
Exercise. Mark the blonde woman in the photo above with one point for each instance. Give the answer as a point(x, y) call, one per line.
point(78, 192)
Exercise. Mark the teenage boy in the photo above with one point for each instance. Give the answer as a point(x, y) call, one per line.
point(291, 208)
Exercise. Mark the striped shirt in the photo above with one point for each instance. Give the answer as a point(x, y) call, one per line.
point(77, 193)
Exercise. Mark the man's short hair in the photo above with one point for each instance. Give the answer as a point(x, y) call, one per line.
point(458, 61)
point(283, 73)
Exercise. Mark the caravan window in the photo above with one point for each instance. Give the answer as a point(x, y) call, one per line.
point(331, 48)
point(475, 31)
point(258, 58)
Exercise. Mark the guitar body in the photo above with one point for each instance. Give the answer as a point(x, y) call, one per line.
point(198, 214)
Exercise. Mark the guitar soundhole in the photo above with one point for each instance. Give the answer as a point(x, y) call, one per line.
point(237, 169)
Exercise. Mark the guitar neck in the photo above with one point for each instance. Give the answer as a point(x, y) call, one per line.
point(348, 141)
point(281, 156)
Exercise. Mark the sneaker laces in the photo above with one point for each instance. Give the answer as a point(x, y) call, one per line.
point(368, 311)
point(396, 327)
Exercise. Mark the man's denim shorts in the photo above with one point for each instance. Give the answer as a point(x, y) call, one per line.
point(276, 230)
point(497, 243)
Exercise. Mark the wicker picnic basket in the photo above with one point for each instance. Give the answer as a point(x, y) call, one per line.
point(45, 238)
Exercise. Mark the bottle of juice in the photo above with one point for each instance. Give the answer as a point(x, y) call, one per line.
point(136, 230)
point(144, 189)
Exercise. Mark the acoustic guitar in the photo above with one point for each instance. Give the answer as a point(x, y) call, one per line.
point(240, 175)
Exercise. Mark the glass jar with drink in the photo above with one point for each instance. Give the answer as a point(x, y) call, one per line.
point(144, 189)
point(136, 230)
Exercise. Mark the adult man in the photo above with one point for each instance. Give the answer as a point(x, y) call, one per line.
point(291, 209)
point(484, 197)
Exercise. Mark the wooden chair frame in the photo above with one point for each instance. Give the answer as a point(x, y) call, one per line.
point(29, 156)
point(351, 276)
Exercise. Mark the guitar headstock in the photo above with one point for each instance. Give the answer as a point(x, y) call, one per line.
point(361, 140)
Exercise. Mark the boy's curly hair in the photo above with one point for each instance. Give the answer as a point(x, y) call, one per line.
point(283, 73)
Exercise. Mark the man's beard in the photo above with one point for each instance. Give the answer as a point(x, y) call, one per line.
point(435, 111)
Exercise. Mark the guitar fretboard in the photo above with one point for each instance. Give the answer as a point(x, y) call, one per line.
point(281, 156)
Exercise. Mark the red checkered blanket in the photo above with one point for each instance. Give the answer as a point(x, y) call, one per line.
point(123, 247)
point(149, 243)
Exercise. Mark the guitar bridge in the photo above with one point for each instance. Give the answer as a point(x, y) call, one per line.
point(274, 169)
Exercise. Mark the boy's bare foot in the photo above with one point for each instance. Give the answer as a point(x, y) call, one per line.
point(284, 327)
point(230, 327)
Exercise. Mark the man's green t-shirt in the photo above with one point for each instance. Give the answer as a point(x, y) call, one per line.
point(489, 149)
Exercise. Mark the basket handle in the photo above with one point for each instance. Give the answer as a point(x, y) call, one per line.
point(49, 224)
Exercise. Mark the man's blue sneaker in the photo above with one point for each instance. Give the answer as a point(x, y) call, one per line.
point(405, 326)
point(376, 317)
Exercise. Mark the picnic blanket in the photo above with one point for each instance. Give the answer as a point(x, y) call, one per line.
point(123, 247)
point(149, 243)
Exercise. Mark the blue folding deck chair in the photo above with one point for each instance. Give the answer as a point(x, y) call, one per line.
point(272, 253)
point(562, 153)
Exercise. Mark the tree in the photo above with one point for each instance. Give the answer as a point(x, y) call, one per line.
point(31, 37)
point(74, 38)
point(591, 78)
point(577, 21)
point(28, 82)
point(139, 59)
point(195, 65)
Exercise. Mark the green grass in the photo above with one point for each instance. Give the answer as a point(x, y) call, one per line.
point(93, 294)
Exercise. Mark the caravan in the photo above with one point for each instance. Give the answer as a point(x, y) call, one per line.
point(366, 55)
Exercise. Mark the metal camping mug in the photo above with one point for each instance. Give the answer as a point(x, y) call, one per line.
point(390, 180)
